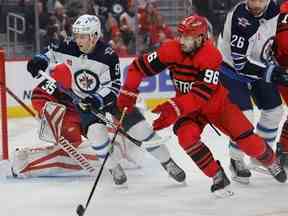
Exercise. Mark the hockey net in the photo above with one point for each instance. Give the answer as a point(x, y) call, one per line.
point(3, 108)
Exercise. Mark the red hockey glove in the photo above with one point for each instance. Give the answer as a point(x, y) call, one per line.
point(127, 98)
point(169, 112)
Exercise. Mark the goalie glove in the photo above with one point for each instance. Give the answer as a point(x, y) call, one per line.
point(37, 63)
point(276, 74)
point(169, 113)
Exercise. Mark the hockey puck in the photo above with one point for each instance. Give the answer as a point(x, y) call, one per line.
point(80, 210)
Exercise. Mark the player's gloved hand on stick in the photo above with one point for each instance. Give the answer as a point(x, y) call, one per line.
point(276, 74)
point(127, 98)
point(37, 63)
point(169, 112)
point(94, 102)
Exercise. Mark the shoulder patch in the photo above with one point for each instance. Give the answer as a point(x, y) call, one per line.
point(108, 51)
point(242, 21)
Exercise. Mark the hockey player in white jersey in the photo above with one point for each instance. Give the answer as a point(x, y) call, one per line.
point(245, 43)
point(91, 72)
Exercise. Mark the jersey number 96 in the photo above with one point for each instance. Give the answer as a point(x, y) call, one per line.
point(211, 77)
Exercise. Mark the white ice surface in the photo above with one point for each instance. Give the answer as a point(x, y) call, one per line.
point(150, 192)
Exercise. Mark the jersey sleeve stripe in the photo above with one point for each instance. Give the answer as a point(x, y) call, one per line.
point(140, 68)
point(147, 68)
point(200, 94)
point(205, 88)
point(157, 65)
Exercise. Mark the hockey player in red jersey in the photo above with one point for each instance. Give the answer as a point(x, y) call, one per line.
point(281, 56)
point(200, 99)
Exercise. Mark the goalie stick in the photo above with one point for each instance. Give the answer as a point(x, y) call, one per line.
point(80, 208)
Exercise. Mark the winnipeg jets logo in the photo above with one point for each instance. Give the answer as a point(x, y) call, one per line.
point(243, 22)
point(86, 81)
point(267, 50)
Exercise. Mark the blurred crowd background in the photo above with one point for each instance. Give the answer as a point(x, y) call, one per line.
point(131, 26)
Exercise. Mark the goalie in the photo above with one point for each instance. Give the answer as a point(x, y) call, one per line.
point(65, 124)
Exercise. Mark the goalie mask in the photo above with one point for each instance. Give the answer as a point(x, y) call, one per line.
point(193, 32)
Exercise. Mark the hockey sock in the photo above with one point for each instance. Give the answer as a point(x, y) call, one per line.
point(268, 124)
point(203, 158)
point(267, 157)
point(143, 131)
point(160, 152)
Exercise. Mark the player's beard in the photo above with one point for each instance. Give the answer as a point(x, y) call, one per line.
point(257, 11)
point(190, 47)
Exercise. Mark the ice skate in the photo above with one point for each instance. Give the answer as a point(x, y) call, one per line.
point(118, 174)
point(277, 171)
point(220, 184)
point(240, 173)
point(174, 170)
point(282, 156)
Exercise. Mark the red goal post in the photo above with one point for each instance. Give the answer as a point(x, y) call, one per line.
point(3, 107)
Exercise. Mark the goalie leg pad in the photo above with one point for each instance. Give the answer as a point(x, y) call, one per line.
point(51, 121)
point(56, 122)
point(50, 160)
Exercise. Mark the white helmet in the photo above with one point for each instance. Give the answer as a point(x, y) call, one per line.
point(87, 24)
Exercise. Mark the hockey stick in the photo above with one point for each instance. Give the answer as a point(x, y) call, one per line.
point(80, 208)
point(29, 110)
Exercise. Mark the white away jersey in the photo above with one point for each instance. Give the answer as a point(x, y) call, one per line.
point(96, 73)
point(247, 39)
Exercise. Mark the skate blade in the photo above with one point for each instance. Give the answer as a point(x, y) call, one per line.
point(121, 186)
point(241, 180)
point(258, 169)
point(223, 193)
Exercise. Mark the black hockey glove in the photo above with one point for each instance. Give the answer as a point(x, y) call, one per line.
point(38, 62)
point(94, 102)
point(277, 75)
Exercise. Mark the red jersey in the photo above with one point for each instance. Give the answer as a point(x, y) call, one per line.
point(281, 42)
point(62, 75)
point(196, 74)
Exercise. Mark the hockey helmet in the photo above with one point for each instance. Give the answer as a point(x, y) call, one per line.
point(87, 24)
point(194, 25)
point(284, 7)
